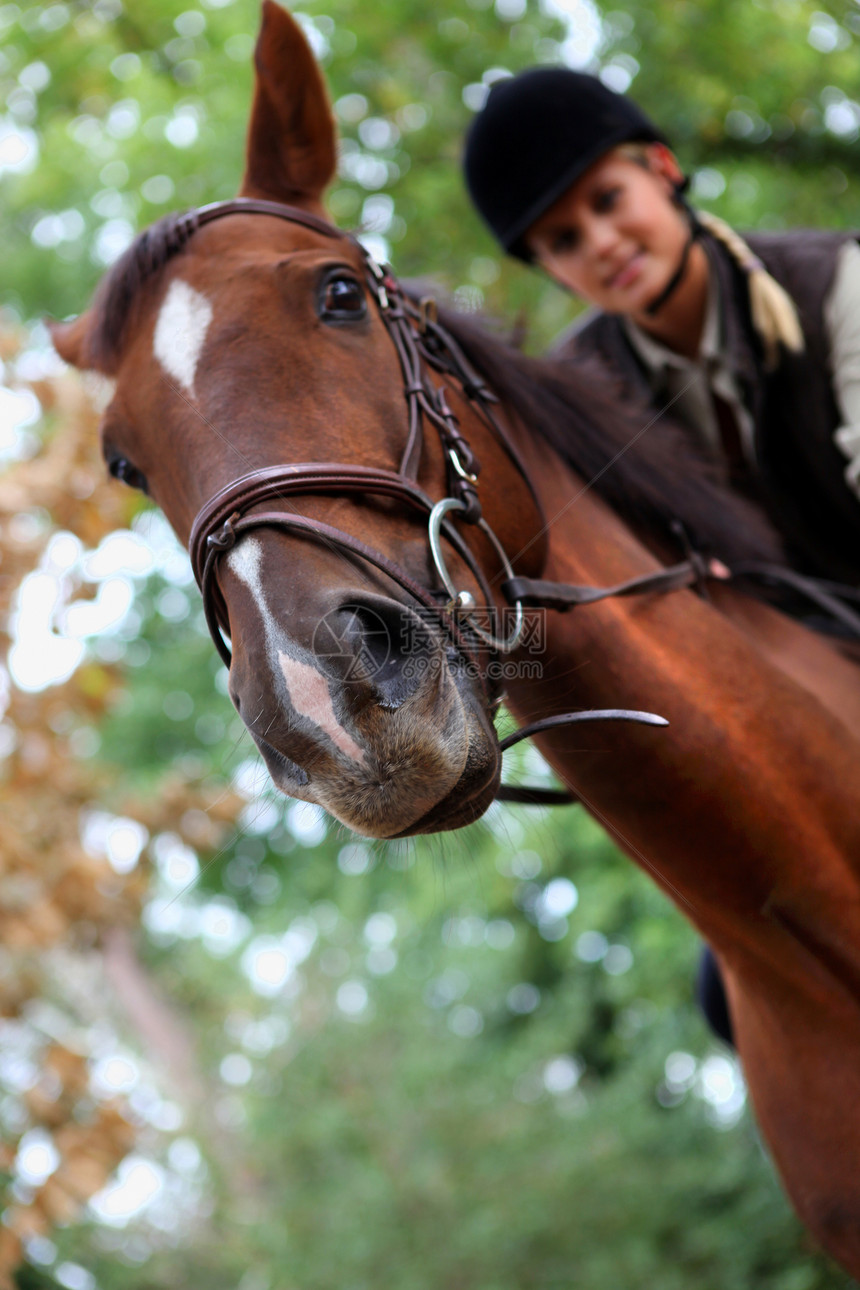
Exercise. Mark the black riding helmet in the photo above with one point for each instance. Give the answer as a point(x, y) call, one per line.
point(534, 137)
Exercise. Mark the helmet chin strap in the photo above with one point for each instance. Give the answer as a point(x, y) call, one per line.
point(677, 277)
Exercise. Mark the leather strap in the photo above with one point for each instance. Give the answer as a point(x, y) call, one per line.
point(234, 527)
point(535, 795)
point(827, 596)
point(563, 596)
point(225, 517)
point(192, 220)
point(276, 483)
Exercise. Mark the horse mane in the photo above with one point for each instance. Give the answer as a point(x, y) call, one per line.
point(642, 463)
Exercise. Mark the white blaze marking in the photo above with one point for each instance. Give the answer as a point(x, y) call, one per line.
point(100, 388)
point(180, 331)
point(309, 694)
point(244, 560)
point(307, 688)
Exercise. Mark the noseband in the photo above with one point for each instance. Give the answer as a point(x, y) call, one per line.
point(421, 344)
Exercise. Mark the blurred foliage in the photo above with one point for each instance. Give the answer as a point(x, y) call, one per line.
point(134, 112)
point(355, 1065)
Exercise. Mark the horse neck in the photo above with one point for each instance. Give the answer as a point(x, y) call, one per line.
point(739, 790)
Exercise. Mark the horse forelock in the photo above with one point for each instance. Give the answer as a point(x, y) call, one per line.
point(120, 291)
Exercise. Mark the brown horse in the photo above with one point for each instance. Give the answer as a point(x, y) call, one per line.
point(261, 336)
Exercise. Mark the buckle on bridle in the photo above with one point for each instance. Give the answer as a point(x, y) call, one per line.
point(384, 280)
point(225, 538)
point(459, 467)
point(428, 312)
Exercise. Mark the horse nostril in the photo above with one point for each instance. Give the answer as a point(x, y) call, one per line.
point(384, 646)
point(379, 637)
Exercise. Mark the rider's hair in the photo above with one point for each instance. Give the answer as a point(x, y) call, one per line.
point(774, 315)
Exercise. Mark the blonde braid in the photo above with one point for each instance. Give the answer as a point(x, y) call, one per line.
point(774, 315)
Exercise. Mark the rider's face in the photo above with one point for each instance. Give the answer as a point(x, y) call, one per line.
point(617, 235)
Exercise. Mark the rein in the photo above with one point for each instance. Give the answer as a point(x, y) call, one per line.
point(421, 343)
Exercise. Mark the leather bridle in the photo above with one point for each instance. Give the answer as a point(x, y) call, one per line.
point(422, 345)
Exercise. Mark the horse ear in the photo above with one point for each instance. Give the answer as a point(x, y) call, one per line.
point(291, 148)
point(70, 339)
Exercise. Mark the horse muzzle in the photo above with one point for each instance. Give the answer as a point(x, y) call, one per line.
point(369, 711)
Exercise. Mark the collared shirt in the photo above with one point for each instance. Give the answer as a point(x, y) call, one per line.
point(686, 384)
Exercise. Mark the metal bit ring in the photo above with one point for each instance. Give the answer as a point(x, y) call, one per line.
point(437, 516)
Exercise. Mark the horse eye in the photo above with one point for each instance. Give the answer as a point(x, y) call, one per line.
point(342, 299)
point(123, 470)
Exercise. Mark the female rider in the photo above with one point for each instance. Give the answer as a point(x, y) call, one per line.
point(754, 343)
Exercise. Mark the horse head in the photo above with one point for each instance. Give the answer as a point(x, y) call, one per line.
point(256, 343)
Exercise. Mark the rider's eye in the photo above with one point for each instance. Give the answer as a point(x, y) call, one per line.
point(342, 298)
point(607, 200)
point(123, 470)
point(563, 241)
